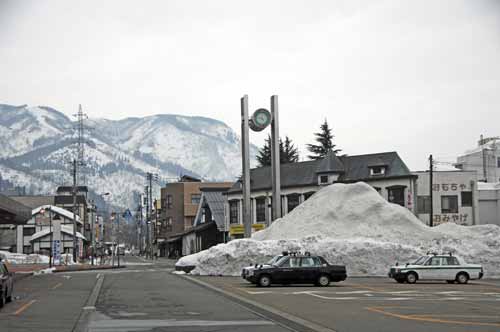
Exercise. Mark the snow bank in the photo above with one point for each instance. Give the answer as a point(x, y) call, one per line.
point(352, 224)
point(14, 258)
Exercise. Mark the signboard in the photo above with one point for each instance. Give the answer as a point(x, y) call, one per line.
point(56, 250)
point(240, 229)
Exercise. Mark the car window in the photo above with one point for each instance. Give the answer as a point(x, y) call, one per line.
point(294, 261)
point(2, 271)
point(5, 268)
point(434, 261)
point(309, 262)
point(450, 261)
point(284, 262)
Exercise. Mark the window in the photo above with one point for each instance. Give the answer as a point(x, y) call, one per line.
point(377, 170)
point(233, 212)
point(450, 261)
point(396, 195)
point(466, 198)
point(28, 231)
point(195, 198)
point(449, 204)
point(308, 194)
point(378, 189)
point(423, 204)
point(290, 262)
point(293, 201)
point(169, 201)
point(323, 179)
point(260, 203)
point(434, 261)
point(310, 262)
point(27, 250)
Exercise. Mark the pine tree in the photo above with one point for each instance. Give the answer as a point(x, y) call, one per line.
point(288, 152)
point(325, 143)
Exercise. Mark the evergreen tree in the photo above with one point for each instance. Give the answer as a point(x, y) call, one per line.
point(288, 152)
point(325, 143)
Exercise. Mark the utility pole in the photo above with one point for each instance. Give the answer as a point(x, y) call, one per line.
point(245, 145)
point(74, 211)
point(275, 155)
point(431, 170)
point(150, 202)
point(485, 173)
point(118, 238)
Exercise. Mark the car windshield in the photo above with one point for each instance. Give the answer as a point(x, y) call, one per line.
point(420, 261)
point(274, 260)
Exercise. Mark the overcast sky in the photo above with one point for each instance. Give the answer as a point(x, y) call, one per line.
point(416, 77)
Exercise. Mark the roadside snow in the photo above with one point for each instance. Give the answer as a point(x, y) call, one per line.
point(14, 258)
point(352, 224)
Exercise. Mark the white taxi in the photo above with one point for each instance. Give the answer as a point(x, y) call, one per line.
point(436, 267)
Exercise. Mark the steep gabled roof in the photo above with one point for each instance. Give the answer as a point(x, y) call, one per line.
point(64, 229)
point(60, 211)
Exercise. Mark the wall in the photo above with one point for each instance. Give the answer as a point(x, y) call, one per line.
point(489, 206)
point(450, 183)
point(474, 162)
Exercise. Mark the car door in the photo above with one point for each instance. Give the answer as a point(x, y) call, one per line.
point(288, 271)
point(3, 278)
point(10, 281)
point(431, 270)
point(309, 269)
point(450, 267)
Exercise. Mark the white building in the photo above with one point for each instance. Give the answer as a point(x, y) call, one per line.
point(455, 197)
point(484, 159)
point(489, 203)
point(48, 223)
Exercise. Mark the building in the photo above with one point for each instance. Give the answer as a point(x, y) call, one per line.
point(489, 203)
point(386, 172)
point(64, 199)
point(179, 205)
point(12, 214)
point(455, 197)
point(484, 159)
point(209, 227)
point(49, 223)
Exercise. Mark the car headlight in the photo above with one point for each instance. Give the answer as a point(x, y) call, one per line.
point(250, 273)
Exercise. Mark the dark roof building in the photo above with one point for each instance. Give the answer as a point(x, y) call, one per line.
point(34, 201)
point(385, 172)
point(13, 212)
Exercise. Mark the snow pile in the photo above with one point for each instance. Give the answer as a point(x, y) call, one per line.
point(352, 224)
point(14, 258)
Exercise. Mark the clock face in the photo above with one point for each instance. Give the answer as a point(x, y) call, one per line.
point(261, 118)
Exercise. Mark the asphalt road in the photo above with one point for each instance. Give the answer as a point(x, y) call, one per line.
point(146, 296)
point(142, 297)
point(380, 304)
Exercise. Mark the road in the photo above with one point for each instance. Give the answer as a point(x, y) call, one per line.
point(148, 297)
point(379, 304)
point(142, 297)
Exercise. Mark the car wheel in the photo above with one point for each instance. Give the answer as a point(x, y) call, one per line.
point(411, 278)
point(323, 280)
point(462, 278)
point(2, 300)
point(265, 281)
point(450, 281)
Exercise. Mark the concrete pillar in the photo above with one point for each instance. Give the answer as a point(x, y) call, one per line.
point(240, 211)
point(254, 210)
point(284, 204)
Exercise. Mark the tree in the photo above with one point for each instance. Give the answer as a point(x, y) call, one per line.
point(288, 152)
point(325, 143)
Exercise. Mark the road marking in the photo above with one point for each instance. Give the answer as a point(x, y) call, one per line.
point(97, 276)
point(57, 286)
point(380, 310)
point(259, 292)
point(133, 324)
point(24, 307)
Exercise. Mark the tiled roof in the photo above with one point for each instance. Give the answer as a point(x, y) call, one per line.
point(349, 168)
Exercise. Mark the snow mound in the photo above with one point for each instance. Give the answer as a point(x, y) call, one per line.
point(352, 224)
point(14, 258)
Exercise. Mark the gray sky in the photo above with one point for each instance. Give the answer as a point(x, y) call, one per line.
point(417, 77)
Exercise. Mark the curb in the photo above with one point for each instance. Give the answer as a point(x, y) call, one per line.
point(84, 317)
point(91, 269)
point(290, 321)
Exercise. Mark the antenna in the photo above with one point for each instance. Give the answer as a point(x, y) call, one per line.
point(80, 128)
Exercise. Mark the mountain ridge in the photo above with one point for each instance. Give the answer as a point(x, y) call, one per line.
point(38, 142)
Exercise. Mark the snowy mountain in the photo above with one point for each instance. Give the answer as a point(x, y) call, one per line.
point(37, 145)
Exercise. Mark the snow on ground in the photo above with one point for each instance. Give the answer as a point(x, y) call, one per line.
point(14, 258)
point(352, 224)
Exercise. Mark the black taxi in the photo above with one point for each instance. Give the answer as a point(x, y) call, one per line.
point(296, 269)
